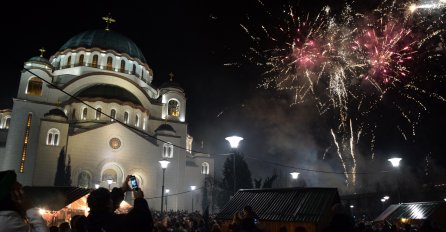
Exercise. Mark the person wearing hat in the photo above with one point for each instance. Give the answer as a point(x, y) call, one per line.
point(17, 213)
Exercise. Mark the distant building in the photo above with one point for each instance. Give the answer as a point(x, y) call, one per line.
point(107, 71)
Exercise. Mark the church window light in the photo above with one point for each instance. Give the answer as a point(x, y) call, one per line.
point(84, 113)
point(167, 150)
point(98, 113)
point(205, 168)
point(126, 117)
point(122, 69)
point(34, 87)
point(52, 137)
point(94, 63)
point(5, 122)
point(69, 62)
point(25, 143)
point(109, 63)
point(113, 114)
point(84, 179)
point(81, 60)
point(137, 120)
point(173, 108)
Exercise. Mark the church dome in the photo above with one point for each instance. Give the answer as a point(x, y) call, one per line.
point(165, 129)
point(105, 40)
point(56, 114)
point(39, 59)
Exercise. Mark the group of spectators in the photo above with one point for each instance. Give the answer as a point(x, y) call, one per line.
point(17, 214)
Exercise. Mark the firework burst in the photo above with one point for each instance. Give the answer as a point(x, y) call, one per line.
point(348, 63)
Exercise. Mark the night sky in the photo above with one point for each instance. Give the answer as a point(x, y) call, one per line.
point(194, 39)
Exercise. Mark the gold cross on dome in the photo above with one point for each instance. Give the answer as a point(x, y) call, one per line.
point(108, 20)
point(42, 50)
point(171, 75)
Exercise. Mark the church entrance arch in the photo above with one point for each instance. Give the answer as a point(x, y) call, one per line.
point(112, 171)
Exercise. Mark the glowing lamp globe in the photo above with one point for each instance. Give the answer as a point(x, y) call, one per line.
point(395, 162)
point(193, 187)
point(294, 175)
point(164, 163)
point(234, 141)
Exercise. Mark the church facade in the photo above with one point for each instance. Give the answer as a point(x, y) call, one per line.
point(91, 107)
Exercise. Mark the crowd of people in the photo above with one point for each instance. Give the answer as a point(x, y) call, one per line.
point(18, 214)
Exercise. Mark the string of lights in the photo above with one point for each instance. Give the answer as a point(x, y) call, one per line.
point(195, 151)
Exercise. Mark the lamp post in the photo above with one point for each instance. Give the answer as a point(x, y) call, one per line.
point(294, 176)
point(233, 142)
point(193, 187)
point(167, 194)
point(396, 163)
point(164, 164)
point(109, 182)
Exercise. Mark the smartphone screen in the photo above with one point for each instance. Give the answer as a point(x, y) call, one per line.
point(133, 182)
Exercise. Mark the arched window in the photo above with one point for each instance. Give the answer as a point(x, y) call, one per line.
point(81, 60)
point(173, 108)
point(84, 179)
point(98, 113)
point(167, 150)
point(122, 69)
point(94, 63)
point(137, 120)
point(126, 117)
point(113, 114)
point(69, 62)
point(84, 113)
point(52, 137)
point(134, 69)
point(34, 87)
point(109, 63)
point(7, 122)
point(205, 168)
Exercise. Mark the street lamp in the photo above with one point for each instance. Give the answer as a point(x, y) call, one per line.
point(395, 161)
point(193, 187)
point(167, 194)
point(164, 164)
point(109, 182)
point(294, 175)
point(233, 142)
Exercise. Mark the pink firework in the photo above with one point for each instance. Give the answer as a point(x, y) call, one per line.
point(386, 52)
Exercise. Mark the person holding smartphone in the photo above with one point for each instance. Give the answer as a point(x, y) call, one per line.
point(102, 205)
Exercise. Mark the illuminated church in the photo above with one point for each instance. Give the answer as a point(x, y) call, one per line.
point(93, 101)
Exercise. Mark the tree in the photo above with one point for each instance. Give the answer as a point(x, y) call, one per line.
point(59, 179)
point(63, 171)
point(242, 178)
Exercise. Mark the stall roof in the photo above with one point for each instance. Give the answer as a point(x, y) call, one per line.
point(415, 210)
point(54, 198)
point(286, 204)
